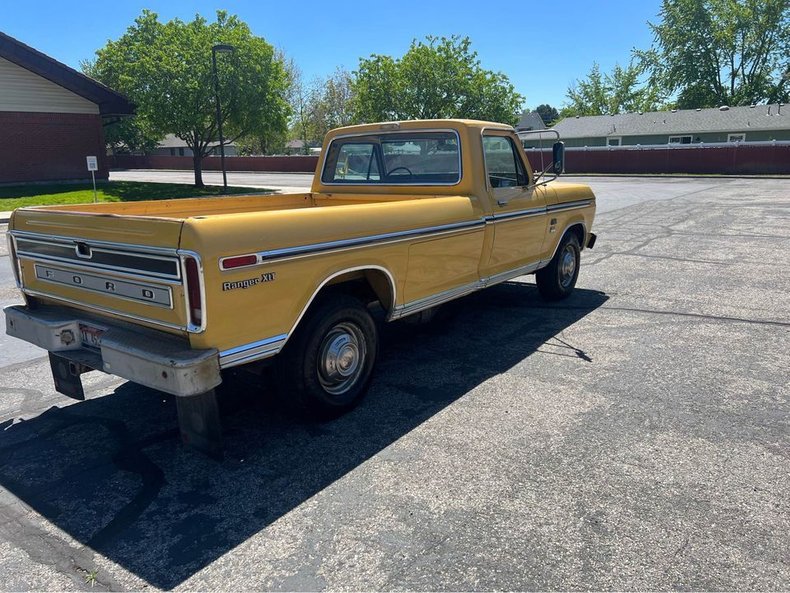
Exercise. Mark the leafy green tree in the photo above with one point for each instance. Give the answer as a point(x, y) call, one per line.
point(165, 69)
point(608, 93)
point(333, 102)
point(547, 113)
point(321, 105)
point(127, 134)
point(303, 100)
point(588, 96)
point(130, 135)
point(721, 52)
point(272, 138)
point(438, 78)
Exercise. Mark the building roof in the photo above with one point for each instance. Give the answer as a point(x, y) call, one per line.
point(173, 141)
point(110, 102)
point(681, 121)
point(530, 120)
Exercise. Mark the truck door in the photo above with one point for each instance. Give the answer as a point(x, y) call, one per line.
point(518, 210)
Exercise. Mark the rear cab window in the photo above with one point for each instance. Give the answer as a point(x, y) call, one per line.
point(400, 158)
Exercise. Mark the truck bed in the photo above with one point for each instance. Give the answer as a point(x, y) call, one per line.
point(200, 207)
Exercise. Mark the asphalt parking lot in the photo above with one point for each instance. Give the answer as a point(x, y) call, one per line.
point(632, 437)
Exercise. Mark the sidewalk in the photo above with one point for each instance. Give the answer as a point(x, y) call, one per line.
point(4, 216)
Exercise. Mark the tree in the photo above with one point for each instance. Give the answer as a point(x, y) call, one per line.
point(607, 94)
point(318, 107)
point(721, 52)
point(547, 113)
point(303, 101)
point(126, 134)
point(333, 102)
point(438, 78)
point(271, 139)
point(165, 69)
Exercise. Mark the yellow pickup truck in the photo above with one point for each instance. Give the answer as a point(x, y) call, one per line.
point(403, 216)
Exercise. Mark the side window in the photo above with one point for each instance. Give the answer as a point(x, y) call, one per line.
point(680, 139)
point(503, 165)
point(355, 162)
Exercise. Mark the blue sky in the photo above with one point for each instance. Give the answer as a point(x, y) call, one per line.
point(541, 46)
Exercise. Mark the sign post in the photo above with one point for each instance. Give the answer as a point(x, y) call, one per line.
point(93, 166)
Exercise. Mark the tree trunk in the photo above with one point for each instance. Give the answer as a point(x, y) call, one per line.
point(197, 163)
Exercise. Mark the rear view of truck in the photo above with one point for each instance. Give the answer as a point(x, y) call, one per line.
point(112, 293)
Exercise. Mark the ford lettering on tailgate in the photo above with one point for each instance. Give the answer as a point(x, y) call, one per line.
point(147, 293)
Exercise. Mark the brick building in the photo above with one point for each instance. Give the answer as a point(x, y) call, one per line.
point(51, 117)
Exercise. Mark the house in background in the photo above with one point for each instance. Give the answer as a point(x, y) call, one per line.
point(173, 146)
point(296, 147)
point(756, 123)
point(51, 117)
point(530, 120)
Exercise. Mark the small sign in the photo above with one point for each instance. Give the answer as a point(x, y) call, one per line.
point(93, 163)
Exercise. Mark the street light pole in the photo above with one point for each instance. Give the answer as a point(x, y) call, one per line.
point(222, 48)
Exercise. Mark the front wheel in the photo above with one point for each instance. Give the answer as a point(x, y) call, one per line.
point(557, 280)
point(326, 369)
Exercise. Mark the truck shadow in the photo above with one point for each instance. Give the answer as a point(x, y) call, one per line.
point(111, 473)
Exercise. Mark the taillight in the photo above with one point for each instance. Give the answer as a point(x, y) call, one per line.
point(194, 292)
point(239, 261)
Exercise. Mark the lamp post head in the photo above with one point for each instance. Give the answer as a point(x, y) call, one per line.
point(223, 48)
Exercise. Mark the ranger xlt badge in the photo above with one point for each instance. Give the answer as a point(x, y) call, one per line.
point(265, 277)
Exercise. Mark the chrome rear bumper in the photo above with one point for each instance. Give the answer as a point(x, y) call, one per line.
point(147, 357)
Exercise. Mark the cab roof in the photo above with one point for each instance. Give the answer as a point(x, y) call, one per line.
point(416, 124)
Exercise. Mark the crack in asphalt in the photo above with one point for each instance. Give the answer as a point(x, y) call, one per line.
point(44, 549)
point(680, 259)
point(129, 458)
point(723, 318)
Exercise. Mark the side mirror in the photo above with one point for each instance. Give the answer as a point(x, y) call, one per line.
point(558, 156)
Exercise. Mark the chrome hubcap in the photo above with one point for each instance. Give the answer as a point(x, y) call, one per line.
point(567, 266)
point(341, 358)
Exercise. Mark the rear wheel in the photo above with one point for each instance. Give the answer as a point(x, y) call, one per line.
point(326, 368)
point(557, 280)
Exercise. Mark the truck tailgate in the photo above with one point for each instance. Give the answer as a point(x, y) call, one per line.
point(126, 267)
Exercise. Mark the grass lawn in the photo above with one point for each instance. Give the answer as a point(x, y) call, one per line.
point(16, 196)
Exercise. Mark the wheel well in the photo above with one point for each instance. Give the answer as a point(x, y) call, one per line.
point(368, 285)
point(578, 230)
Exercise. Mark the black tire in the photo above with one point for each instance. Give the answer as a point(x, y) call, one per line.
point(557, 280)
point(326, 368)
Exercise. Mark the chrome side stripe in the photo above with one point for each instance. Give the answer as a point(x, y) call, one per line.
point(569, 205)
point(510, 274)
point(252, 351)
point(433, 300)
point(537, 211)
point(517, 215)
point(313, 248)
